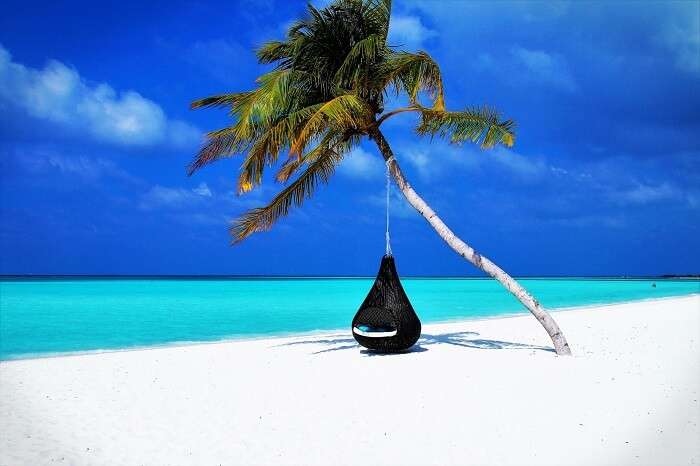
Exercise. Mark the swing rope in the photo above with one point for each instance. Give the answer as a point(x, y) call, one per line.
point(388, 193)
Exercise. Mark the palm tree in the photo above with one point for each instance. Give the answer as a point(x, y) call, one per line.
point(331, 78)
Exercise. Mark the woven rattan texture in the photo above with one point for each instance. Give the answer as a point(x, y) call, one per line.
point(387, 305)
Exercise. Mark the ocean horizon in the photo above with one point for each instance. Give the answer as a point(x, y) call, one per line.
point(10, 276)
point(53, 315)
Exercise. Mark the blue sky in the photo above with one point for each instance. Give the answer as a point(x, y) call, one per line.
point(604, 179)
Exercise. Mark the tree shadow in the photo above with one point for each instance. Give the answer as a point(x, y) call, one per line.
point(462, 339)
point(466, 340)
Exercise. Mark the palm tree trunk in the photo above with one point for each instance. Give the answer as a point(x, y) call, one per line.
point(561, 346)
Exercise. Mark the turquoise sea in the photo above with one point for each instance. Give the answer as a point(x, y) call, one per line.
point(47, 316)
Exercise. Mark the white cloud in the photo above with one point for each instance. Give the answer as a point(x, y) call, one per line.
point(202, 190)
point(614, 182)
point(361, 164)
point(681, 35)
point(398, 205)
point(527, 168)
point(58, 94)
point(88, 169)
point(587, 220)
point(545, 68)
point(645, 194)
point(441, 159)
point(408, 31)
point(162, 196)
point(201, 218)
point(433, 159)
point(527, 67)
point(420, 159)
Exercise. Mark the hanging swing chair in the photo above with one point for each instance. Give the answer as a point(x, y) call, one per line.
point(386, 321)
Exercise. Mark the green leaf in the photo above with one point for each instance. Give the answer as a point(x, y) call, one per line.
point(262, 218)
point(481, 126)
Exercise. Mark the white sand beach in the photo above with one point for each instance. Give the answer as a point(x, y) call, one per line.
point(474, 392)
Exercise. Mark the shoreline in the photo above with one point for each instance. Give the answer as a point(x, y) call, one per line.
point(319, 332)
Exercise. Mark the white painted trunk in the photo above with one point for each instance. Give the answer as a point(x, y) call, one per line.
point(561, 346)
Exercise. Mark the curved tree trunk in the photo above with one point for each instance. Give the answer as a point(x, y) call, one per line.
point(460, 247)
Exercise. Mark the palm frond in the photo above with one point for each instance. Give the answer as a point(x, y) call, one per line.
point(272, 94)
point(358, 61)
point(412, 73)
point(346, 111)
point(338, 141)
point(222, 143)
point(265, 150)
point(258, 115)
point(377, 14)
point(262, 218)
point(273, 51)
point(223, 100)
point(481, 126)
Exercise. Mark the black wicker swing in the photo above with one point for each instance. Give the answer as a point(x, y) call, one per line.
point(386, 321)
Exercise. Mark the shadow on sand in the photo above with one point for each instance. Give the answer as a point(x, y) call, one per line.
point(462, 339)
